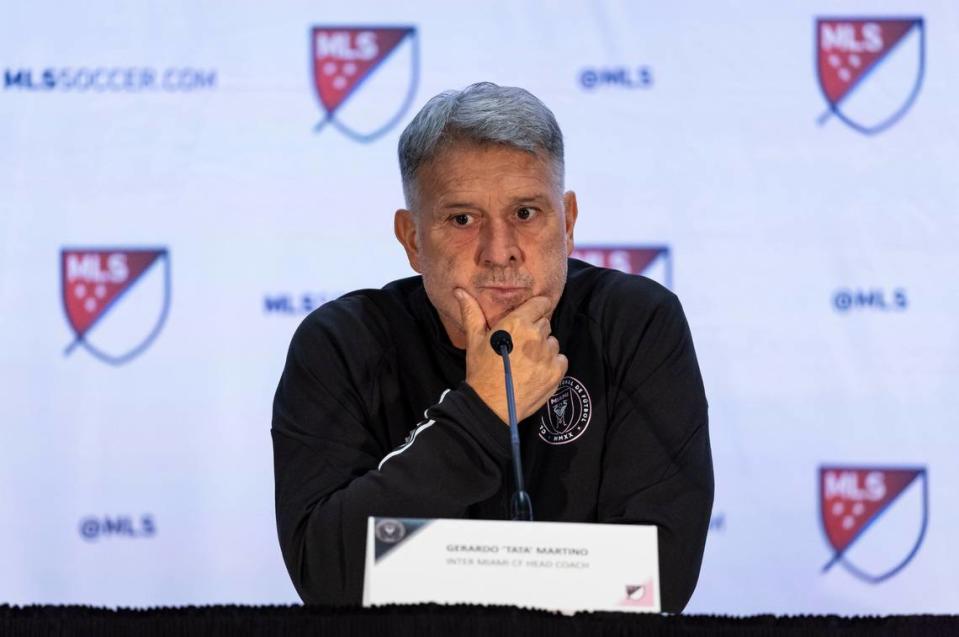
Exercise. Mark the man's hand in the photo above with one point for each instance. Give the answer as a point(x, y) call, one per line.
point(536, 362)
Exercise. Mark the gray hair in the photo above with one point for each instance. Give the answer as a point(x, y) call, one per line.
point(482, 113)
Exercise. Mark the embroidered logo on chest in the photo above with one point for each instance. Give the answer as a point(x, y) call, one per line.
point(566, 414)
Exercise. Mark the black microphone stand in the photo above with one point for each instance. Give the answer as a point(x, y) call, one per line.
point(521, 508)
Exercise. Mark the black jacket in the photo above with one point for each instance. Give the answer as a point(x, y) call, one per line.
point(372, 417)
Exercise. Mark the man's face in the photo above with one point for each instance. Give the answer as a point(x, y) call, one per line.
point(490, 219)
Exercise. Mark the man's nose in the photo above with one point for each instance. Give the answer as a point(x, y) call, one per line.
point(499, 244)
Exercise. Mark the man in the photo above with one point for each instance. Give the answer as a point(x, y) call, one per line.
point(392, 402)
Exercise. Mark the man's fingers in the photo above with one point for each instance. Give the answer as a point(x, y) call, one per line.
point(553, 345)
point(564, 365)
point(543, 327)
point(533, 309)
point(558, 372)
point(474, 321)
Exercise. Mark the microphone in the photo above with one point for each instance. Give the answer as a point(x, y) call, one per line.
point(500, 339)
point(521, 508)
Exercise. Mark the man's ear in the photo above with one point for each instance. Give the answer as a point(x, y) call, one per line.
point(404, 226)
point(571, 211)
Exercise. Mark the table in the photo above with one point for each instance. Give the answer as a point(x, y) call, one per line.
point(429, 619)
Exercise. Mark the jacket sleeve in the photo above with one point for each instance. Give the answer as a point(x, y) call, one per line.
point(658, 464)
point(332, 470)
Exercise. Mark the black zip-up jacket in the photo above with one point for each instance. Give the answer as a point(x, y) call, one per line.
point(372, 416)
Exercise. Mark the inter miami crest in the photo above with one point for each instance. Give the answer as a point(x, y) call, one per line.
point(116, 299)
point(566, 414)
point(388, 533)
point(869, 69)
point(874, 518)
point(654, 262)
point(365, 77)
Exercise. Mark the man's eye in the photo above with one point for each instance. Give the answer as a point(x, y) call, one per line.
point(525, 213)
point(461, 220)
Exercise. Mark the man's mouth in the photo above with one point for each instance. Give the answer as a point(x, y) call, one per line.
point(504, 288)
point(504, 296)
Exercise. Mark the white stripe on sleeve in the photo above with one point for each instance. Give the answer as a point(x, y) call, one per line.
point(419, 429)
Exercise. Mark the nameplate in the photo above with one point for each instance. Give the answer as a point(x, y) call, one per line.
point(550, 565)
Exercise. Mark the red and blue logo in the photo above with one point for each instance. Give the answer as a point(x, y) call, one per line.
point(115, 299)
point(869, 69)
point(654, 262)
point(365, 77)
point(874, 518)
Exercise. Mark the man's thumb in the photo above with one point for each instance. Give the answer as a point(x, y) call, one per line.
point(474, 322)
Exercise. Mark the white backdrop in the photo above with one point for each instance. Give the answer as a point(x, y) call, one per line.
point(816, 260)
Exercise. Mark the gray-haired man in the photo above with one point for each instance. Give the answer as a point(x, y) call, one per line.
point(392, 402)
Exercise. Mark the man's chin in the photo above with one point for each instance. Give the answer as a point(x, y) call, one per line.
point(497, 304)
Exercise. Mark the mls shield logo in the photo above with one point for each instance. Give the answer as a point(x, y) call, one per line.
point(654, 262)
point(874, 518)
point(639, 595)
point(116, 299)
point(869, 69)
point(365, 77)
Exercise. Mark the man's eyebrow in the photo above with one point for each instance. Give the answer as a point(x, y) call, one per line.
point(458, 204)
point(531, 198)
point(461, 204)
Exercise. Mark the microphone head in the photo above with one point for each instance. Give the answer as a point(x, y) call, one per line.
point(498, 339)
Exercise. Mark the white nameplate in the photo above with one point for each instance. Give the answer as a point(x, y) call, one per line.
point(550, 565)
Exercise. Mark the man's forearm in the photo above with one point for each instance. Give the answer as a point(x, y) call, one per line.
point(453, 461)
